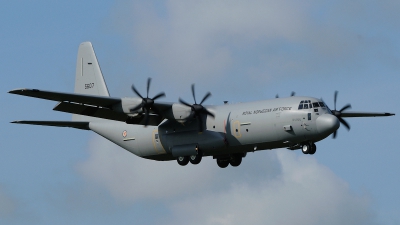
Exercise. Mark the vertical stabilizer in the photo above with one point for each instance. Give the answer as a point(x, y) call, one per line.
point(88, 78)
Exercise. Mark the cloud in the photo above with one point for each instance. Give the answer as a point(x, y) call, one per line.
point(255, 40)
point(304, 193)
point(129, 178)
point(8, 205)
point(277, 187)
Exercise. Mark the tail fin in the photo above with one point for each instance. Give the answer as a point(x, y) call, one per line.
point(88, 78)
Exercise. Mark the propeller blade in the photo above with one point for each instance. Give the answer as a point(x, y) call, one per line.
point(276, 96)
point(334, 134)
point(348, 106)
point(194, 96)
point(184, 103)
point(334, 99)
point(200, 121)
point(208, 113)
point(292, 94)
point(146, 117)
point(205, 97)
point(136, 108)
point(344, 123)
point(136, 91)
point(162, 94)
point(148, 86)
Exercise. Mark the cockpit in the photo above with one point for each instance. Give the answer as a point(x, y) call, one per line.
point(306, 104)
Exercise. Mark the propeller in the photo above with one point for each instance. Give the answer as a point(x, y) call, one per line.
point(147, 102)
point(198, 109)
point(338, 114)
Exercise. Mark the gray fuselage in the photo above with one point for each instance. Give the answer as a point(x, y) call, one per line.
point(236, 128)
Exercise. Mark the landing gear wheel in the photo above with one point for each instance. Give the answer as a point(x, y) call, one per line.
point(183, 160)
point(235, 160)
point(196, 159)
point(313, 149)
point(306, 148)
point(222, 163)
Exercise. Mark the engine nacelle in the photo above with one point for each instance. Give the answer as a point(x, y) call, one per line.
point(127, 104)
point(180, 113)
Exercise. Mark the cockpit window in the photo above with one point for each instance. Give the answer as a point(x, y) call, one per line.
point(306, 104)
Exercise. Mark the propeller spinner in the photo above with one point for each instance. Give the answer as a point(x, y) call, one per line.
point(147, 102)
point(338, 114)
point(198, 109)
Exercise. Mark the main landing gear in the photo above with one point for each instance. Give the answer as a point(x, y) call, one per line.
point(194, 159)
point(223, 161)
point(309, 148)
point(234, 160)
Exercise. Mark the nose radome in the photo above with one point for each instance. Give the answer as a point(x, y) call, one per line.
point(327, 123)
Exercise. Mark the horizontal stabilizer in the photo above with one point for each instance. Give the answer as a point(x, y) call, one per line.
point(102, 101)
point(72, 124)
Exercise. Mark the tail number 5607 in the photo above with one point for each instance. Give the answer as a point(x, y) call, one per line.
point(89, 85)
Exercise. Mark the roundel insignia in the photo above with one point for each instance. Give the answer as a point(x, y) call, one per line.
point(124, 133)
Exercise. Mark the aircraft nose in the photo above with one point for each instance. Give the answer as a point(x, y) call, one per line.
point(327, 123)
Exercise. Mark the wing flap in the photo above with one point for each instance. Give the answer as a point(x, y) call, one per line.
point(72, 124)
point(104, 113)
point(90, 111)
point(68, 97)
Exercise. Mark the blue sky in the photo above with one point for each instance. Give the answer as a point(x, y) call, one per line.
point(239, 52)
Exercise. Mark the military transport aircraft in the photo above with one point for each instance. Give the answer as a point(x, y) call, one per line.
point(186, 131)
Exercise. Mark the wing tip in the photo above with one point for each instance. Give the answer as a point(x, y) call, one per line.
point(19, 91)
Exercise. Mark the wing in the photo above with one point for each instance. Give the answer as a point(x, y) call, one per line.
point(67, 97)
point(72, 124)
point(96, 106)
point(365, 114)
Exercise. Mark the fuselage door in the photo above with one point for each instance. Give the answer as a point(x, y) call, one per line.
point(157, 142)
point(307, 122)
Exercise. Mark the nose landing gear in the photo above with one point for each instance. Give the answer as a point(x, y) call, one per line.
point(309, 148)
